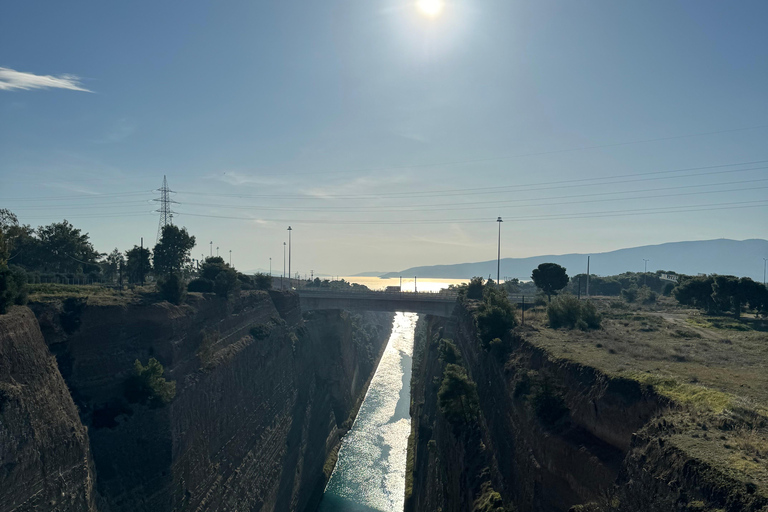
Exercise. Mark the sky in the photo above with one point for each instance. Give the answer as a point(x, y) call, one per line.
point(385, 137)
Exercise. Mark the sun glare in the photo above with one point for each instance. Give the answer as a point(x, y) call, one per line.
point(431, 8)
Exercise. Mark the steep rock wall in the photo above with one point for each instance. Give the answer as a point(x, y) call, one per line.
point(257, 413)
point(45, 463)
point(559, 434)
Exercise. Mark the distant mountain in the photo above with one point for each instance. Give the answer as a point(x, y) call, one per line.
point(722, 256)
point(372, 274)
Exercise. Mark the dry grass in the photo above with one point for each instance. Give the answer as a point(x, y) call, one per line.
point(714, 367)
point(96, 294)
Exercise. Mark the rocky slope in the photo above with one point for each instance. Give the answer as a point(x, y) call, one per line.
point(45, 462)
point(262, 399)
point(550, 435)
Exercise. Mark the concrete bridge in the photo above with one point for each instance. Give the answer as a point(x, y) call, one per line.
point(438, 304)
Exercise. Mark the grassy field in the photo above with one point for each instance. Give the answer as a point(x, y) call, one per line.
point(96, 294)
point(714, 367)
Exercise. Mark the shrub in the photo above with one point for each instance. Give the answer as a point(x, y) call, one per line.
point(668, 289)
point(630, 294)
point(226, 283)
point(147, 386)
point(549, 406)
point(649, 297)
point(475, 288)
point(201, 285)
point(496, 315)
point(260, 331)
point(13, 288)
point(570, 312)
point(262, 281)
point(172, 289)
point(457, 396)
point(449, 352)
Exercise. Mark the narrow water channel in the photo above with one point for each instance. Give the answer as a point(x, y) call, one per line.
point(370, 473)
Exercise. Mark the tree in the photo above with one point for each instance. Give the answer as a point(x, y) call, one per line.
point(114, 265)
point(211, 267)
point(13, 287)
point(172, 288)
point(63, 248)
point(264, 281)
point(496, 314)
point(549, 278)
point(147, 386)
point(172, 251)
point(475, 288)
point(696, 292)
point(226, 283)
point(137, 264)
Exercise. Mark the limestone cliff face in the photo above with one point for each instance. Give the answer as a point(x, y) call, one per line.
point(262, 400)
point(551, 434)
point(45, 463)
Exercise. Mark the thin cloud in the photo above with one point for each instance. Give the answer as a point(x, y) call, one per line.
point(11, 80)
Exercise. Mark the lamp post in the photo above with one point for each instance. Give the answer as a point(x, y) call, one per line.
point(498, 256)
point(283, 276)
point(230, 257)
point(765, 262)
point(211, 248)
point(289, 256)
point(217, 251)
point(270, 267)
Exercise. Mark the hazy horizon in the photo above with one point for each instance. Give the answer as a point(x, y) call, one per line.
point(388, 137)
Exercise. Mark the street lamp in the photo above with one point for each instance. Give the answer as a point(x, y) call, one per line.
point(498, 256)
point(283, 276)
point(230, 257)
point(289, 256)
point(270, 267)
point(211, 248)
point(765, 261)
point(217, 251)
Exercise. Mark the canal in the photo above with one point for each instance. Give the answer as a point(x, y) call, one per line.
point(370, 473)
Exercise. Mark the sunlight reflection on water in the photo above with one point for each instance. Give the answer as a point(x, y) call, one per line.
point(370, 473)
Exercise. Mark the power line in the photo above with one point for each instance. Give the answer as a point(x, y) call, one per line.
point(669, 209)
point(516, 203)
point(582, 182)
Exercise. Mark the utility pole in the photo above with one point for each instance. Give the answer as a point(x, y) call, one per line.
point(230, 257)
point(211, 248)
point(289, 256)
point(498, 256)
point(312, 275)
point(283, 276)
point(217, 251)
point(587, 276)
point(141, 259)
point(645, 271)
point(270, 267)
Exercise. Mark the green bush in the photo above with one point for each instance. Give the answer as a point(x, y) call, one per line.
point(260, 331)
point(13, 288)
point(475, 288)
point(570, 312)
point(457, 396)
point(549, 406)
point(668, 289)
point(262, 281)
point(449, 352)
point(171, 288)
point(226, 283)
point(630, 294)
point(496, 315)
point(147, 386)
point(201, 285)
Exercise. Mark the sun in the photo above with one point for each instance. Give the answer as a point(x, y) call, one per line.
point(430, 8)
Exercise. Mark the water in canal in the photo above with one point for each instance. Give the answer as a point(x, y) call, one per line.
point(370, 472)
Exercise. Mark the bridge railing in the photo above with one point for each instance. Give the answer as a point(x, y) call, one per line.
point(444, 295)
